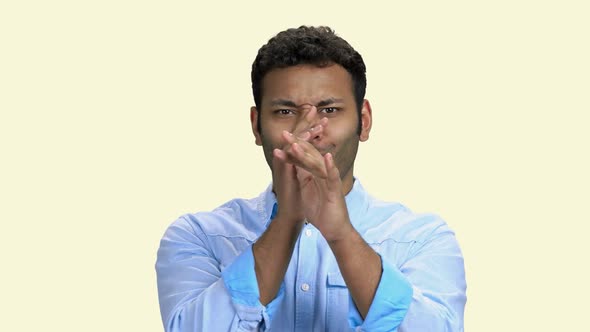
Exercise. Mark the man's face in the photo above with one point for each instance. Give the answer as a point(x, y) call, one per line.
point(288, 94)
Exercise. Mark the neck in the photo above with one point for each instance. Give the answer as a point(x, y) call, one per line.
point(347, 182)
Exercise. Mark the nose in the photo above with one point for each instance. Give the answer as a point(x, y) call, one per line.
point(309, 120)
point(310, 114)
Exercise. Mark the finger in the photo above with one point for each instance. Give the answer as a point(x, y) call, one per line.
point(310, 116)
point(305, 136)
point(315, 131)
point(307, 121)
point(308, 133)
point(279, 154)
point(334, 183)
point(311, 133)
point(278, 161)
point(283, 172)
point(319, 127)
point(303, 154)
point(306, 156)
point(303, 176)
point(289, 137)
point(290, 174)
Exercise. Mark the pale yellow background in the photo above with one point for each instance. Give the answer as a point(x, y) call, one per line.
point(119, 116)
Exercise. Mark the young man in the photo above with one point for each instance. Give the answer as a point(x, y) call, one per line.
point(314, 252)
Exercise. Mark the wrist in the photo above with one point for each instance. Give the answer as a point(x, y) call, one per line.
point(280, 233)
point(288, 220)
point(342, 234)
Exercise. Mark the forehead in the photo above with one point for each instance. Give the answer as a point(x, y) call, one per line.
point(307, 84)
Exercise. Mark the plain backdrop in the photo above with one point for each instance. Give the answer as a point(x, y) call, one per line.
point(119, 116)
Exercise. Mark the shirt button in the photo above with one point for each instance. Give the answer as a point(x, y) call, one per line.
point(308, 232)
point(305, 287)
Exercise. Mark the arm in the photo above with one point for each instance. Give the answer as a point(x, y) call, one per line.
point(379, 293)
point(324, 206)
point(353, 255)
point(195, 295)
point(379, 290)
point(427, 293)
point(272, 254)
point(273, 250)
point(436, 272)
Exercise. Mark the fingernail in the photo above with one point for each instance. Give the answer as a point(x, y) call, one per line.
point(303, 135)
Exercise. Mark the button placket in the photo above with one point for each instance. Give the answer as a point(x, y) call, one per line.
point(306, 263)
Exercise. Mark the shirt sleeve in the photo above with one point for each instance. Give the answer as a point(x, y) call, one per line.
point(195, 295)
point(242, 285)
point(390, 304)
point(436, 271)
point(426, 293)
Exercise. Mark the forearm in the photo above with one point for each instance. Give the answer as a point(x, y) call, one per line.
point(360, 266)
point(272, 253)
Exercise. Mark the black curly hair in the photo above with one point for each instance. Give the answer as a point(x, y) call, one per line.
point(319, 46)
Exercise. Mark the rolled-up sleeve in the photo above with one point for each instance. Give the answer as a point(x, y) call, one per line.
point(195, 295)
point(242, 285)
point(390, 303)
point(437, 273)
point(426, 293)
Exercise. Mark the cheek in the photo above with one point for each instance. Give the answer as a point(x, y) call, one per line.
point(338, 134)
point(272, 131)
point(272, 139)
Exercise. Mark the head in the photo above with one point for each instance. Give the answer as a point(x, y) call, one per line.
point(319, 46)
point(304, 67)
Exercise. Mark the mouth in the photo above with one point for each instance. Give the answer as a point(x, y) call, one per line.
point(323, 149)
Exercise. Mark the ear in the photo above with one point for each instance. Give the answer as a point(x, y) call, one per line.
point(366, 120)
point(254, 122)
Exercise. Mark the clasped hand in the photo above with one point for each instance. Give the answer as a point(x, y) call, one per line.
point(307, 183)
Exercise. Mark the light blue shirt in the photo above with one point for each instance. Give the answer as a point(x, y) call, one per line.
point(207, 282)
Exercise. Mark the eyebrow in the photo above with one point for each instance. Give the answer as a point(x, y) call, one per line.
point(283, 102)
point(329, 101)
point(289, 103)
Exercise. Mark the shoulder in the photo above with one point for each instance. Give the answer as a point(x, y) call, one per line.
point(396, 222)
point(238, 217)
point(399, 234)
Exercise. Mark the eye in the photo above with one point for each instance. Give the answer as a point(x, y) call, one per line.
point(329, 110)
point(284, 112)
